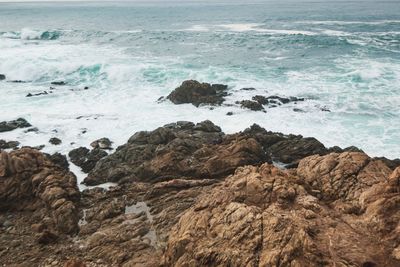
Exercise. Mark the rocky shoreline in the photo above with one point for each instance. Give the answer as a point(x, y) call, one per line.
point(188, 194)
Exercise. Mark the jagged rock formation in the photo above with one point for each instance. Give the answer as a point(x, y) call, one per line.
point(336, 210)
point(190, 195)
point(29, 181)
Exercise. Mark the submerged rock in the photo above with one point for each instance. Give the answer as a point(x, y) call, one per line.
point(12, 125)
point(253, 105)
point(102, 143)
point(2, 77)
point(55, 141)
point(198, 93)
point(58, 83)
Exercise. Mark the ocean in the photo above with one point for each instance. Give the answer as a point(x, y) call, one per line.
point(342, 56)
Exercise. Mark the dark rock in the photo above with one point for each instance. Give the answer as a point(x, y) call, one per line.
point(253, 105)
point(9, 144)
point(260, 99)
point(59, 160)
point(391, 163)
point(288, 149)
point(102, 143)
point(12, 125)
point(58, 83)
point(230, 113)
point(200, 151)
point(85, 158)
point(2, 77)
point(198, 93)
point(55, 141)
point(47, 237)
point(38, 94)
point(248, 89)
point(34, 129)
point(298, 110)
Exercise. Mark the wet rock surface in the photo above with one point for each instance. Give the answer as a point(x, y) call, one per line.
point(190, 195)
point(102, 143)
point(2, 77)
point(86, 159)
point(6, 126)
point(8, 144)
point(198, 93)
point(55, 141)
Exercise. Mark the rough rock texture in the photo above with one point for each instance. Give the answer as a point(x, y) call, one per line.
point(59, 160)
point(335, 210)
point(199, 151)
point(340, 209)
point(198, 93)
point(85, 158)
point(6, 126)
point(253, 105)
point(180, 149)
point(8, 145)
point(55, 141)
point(29, 181)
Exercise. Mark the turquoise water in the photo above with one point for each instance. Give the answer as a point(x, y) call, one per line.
point(342, 56)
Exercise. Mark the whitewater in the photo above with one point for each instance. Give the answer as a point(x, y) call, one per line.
point(345, 62)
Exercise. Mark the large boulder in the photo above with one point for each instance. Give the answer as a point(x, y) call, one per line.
point(30, 181)
point(263, 216)
point(6, 126)
point(198, 93)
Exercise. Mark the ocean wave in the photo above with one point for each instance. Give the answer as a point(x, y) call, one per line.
point(346, 22)
point(30, 34)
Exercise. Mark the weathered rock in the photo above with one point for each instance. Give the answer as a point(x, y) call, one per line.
point(288, 149)
point(59, 160)
point(182, 149)
point(8, 145)
point(198, 93)
point(2, 77)
point(29, 181)
point(253, 105)
point(12, 125)
point(260, 99)
point(55, 141)
point(262, 216)
point(85, 158)
point(102, 143)
point(391, 163)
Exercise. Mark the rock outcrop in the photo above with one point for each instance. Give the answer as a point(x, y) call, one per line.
point(198, 93)
point(181, 149)
point(6, 126)
point(339, 209)
point(29, 181)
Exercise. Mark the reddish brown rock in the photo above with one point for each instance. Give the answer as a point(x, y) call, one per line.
point(262, 216)
point(29, 181)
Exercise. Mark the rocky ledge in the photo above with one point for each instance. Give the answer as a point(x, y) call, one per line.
point(190, 195)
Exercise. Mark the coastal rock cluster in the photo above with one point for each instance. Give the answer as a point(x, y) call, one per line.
point(198, 94)
point(189, 195)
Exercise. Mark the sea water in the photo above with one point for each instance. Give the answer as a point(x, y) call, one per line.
point(342, 56)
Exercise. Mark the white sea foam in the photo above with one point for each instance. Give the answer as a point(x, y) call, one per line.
point(29, 34)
